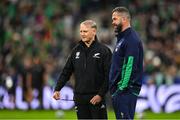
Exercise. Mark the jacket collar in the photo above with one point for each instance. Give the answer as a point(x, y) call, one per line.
point(93, 44)
point(122, 34)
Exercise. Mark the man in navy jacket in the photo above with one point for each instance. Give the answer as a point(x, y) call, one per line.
point(127, 65)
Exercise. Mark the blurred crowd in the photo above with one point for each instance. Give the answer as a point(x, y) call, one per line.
point(36, 37)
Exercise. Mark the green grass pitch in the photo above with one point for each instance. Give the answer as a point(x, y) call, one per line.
point(70, 114)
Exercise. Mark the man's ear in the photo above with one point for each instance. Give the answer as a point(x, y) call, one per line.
point(123, 19)
point(94, 30)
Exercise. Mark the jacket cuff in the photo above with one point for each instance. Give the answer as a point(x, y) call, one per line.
point(101, 94)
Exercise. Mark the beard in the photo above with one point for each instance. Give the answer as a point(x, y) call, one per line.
point(118, 29)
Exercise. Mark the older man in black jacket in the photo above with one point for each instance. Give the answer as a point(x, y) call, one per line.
point(90, 62)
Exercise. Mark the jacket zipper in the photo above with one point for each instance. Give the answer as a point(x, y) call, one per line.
point(85, 63)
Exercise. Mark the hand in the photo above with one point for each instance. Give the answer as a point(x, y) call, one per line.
point(56, 95)
point(96, 99)
point(29, 95)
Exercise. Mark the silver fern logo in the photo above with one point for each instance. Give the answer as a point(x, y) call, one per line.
point(96, 55)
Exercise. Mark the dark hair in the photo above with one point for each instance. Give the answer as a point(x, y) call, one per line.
point(122, 10)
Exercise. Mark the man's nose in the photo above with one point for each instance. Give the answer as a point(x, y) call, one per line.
point(82, 34)
point(113, 23)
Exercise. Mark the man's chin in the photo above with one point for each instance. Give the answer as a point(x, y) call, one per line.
point(116, 31)
point(84, 40)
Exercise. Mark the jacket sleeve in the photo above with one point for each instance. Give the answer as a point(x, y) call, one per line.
point(106, 66)
point(65, 74)
point(129, 64)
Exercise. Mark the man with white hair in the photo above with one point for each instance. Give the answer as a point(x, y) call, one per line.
point(90, 63)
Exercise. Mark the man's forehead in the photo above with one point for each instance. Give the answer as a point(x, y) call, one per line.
point(116, 14)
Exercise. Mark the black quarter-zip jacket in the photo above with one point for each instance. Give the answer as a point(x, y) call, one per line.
point(90, 66)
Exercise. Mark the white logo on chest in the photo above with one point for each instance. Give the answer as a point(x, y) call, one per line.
point(77, 55)
point(118, 45)
point(96, 55)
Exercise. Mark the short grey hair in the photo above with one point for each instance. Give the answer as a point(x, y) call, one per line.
point(122, 10)
point(90, 23)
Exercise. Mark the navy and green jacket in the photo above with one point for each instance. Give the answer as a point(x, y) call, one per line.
point(127, 63)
